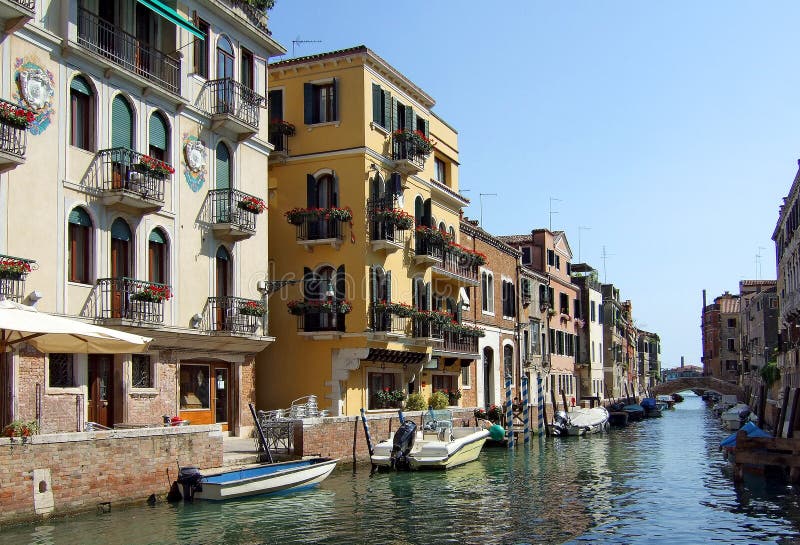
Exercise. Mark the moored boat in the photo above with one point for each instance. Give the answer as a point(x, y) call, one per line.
point(651, 407)
point(580, 421)
point(667, 400)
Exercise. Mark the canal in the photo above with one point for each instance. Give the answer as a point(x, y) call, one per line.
point(658, 481)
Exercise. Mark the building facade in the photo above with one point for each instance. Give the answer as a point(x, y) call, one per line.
point(590, 338)
point(364, 231)
point(758, 316)
point(614, 342)
point(649, 358)
point(150, 167)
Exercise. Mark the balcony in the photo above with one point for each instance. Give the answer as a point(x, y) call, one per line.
point(112, 44)
point(13, 139)
point(233, 315)
point(408, 158)
point(320, 319)
point(234, 108)
point(423, 329)
point(457, 345)
point(389, 227)
point(319, 232)
point(13, 272)
point(15, 13)
point(230, 217)
point(446, 263)
point(427, 252)
point(120, 300)
point(128, 180)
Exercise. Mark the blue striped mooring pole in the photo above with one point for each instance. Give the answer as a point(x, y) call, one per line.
point(366, 432)
point(509, 412)
point(540, 404)
point(526, 421)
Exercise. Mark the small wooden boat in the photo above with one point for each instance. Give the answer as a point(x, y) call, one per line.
point(260, 479)
point(667, 400)
point(652, 408)
point(580, 421)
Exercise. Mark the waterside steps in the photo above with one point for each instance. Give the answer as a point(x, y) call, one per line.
point(759, 453)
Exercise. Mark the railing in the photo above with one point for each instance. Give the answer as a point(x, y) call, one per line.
point(124, 49)
point(279, 140)
point(230, 314)
point(424, 247)
point(313, 229)
point(446, 260)
point(123, 169)
point(28, 4)
point(225, 207)
point(12, 284)
point(228, 97)
point(381, 320)
point(315, 319)
point(402, 149)
point(13, 138)
point(456, 342)
point(383, 229)
point(424, 329)
point(125, 298)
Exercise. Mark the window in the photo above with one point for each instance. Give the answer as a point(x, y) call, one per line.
point(577, 306)
point(592, 315)
point(558, 262)
point(157, 257)
point(247, 74)
point(61, 371)
point(159, 137)
point(439, 170)
point(223, 169)
point(600, 351)
point(320, 102)
point(81, 114)
point(121, 123)
point(551, 297)
point(201, 50)
point(194, 387)
point(592, 351)
point(509, 299)
point(563, 306)
point(487, 292)
point(508, 361)
point(731, 322)
point(141, 371)
point(773, 302)
point(731, 344)
point(551, 258)
point(381, 106)
point(730, 365)
point(536, 347)
point(79, 246)
point(465, 377)
point(444, 383)
point(526, 290)
point(378, 382)
point(600, 312)
point(526, 255)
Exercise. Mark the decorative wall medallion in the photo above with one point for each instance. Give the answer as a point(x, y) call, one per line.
point(194, 154)
point(36, 87)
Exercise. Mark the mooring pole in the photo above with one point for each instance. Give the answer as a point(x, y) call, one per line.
point(401, 417)
point(526, 421)
point(540, 405)
point(366, 432)
point(509, 413)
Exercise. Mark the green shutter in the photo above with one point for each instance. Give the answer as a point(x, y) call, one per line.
point(79, 216)
point(394, 115)
point(157, 236)
point(427, 128)
point(335, 100)
point(410, 119)
point(121, 124)
point(222, 254)
point(387, 109)
point(223, 167)
point(120, 230)
point(312, 200)
point(308, 104)
point(377, 108)
point(388, 286)
point(80, 85)
point(158, 132)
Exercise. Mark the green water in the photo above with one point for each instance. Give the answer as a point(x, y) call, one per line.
point(658, 481)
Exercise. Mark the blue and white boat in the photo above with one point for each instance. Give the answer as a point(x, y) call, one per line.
point(251, 481)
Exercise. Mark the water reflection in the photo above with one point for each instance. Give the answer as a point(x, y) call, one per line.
point(662, 480)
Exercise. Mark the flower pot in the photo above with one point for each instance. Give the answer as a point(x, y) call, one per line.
point(11, 275)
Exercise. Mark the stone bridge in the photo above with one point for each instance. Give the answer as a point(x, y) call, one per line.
point(698, 385)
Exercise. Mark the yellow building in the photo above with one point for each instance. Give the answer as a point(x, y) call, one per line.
point(363, 197)
point(133, 200)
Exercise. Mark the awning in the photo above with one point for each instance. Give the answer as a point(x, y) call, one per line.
point(171, 15)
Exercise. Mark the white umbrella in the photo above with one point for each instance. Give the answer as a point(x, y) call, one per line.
point(48, 333)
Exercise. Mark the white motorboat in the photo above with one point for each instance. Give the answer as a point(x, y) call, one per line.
point(580, 421)
point(438, 446)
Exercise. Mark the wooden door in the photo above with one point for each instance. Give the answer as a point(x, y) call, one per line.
point(119, 269)
point(222, 398)
point(222, 284)
point(5, 364)
point(101, 389)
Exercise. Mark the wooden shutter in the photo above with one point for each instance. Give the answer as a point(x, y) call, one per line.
point(223, 167)
point(426, 301)
point(308, 279)
point(426, 123)
point(341, 282)
point(377, 107)
point(335, 100)
point(308, 104)
point(427, 217)
point(394, 115)
point(410, 118)
point(158, 132)
point(312, 199)
point(387, 109)
point(388, 280)
point(373, 283)
point(120, 230)
point(335, 190)
point(121, 124)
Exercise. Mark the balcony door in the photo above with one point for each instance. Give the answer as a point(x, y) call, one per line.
point(488, 376)
point(121, 137)
point(120, 266)
point(101, 389)
point(225, 63)
point(222, 285)
point(146, 35)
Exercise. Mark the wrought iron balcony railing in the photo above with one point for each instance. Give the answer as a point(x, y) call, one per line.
point(423, 328)
point(318, 318)
point(123, 170)
point(125, 50)
point(125, 298)
point(279, 140)
point(27, 4)
point(456, 342)
point(407, 150)
point(383, 321)
point(444, 259)
point(455, 264)
point(227, 97)
point(233, 315)
point(13, 272)
point(226, 207)
point(385, 230)
point(314, 229)
point(13, 137)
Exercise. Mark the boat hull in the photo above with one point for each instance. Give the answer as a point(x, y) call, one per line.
point(435, 454)
point(264, 479)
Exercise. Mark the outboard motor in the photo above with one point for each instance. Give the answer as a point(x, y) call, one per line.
point(403, 443)
point(189, 478)
point(560, 423)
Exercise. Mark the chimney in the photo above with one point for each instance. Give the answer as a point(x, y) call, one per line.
point(681, 362)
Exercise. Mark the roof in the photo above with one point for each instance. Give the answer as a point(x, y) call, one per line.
point(515, 239)
point(758, 282)
point(729, 305)
point(320, 56)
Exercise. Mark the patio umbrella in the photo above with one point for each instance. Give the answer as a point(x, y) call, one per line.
point(48, 333)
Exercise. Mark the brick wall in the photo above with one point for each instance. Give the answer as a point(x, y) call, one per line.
point(91, 468)
point(147, 408)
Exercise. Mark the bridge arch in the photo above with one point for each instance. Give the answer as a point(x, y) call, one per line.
point(700, 384)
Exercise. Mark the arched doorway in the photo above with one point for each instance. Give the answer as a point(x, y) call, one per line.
point(488, 376)
point(120, 266)
point(222, 280)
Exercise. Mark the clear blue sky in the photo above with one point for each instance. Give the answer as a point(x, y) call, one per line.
point(670, 129)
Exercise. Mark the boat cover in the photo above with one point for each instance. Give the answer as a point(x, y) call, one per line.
point(752, 431)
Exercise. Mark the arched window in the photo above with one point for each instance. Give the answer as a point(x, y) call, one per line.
point(442, 227)
point(452, 232)
point(419, 211)
point(121, 123)
point(223, 271)
point(121, 243)
point(82, 107)
point(223, 167)
point(488, 376)
point(508, 360)
point(79, 246)
point(159, 137)
point(157, 256)
point(225, 58)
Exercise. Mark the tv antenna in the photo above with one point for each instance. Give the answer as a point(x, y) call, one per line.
point(481, 196)
point(298, 42)
point(552, 211)
point(758, 261)
point(604, 256)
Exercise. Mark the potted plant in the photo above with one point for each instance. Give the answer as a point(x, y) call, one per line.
point(453, 396)
point(495, 413)
point(480, 414)
point(388, 398)
point(15, 116)
point(344, 307)
point(20, 428)
point(297, 307)
point(13, 269)
point(420, 143)
point(152, 293)
point(399, 218)
point(416, 402)
point(252, 204)
point(432, 235)
point(438, 400)
point(252, 308)
point(153, 167)
point(296, 216)
point(280, 126)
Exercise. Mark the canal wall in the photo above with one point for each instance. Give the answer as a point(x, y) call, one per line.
point(67, 472)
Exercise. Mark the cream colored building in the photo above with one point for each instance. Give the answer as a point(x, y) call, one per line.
point(136, 202)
